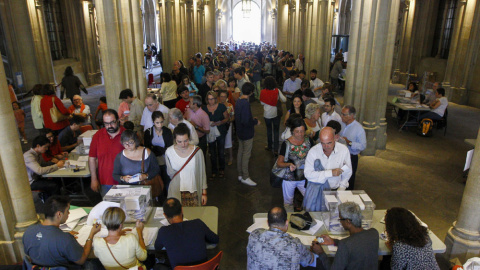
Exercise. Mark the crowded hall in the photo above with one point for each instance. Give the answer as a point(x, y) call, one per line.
point(243, 134)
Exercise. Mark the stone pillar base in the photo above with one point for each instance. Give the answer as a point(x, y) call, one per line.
point(382, 134)
point(396, 76)
point(461, 248)
point(371, 134)
point(94, 78)
point(459, 95)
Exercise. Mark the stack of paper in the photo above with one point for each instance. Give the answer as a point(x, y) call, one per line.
point(73, 219)
point(159, 213)
point(313, 229)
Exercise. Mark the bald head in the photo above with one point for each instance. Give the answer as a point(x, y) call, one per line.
point(277, 217)
point(327, 140)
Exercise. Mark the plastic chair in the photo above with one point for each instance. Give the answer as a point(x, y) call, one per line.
point(85, 128)
point(442, 123)
point(210, 265)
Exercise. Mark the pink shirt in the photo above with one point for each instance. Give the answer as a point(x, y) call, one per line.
point(122, 108)
point(200, 118)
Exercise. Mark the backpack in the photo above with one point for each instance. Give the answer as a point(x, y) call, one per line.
point(425, 128)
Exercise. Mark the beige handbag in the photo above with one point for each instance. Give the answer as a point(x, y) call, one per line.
point(55, 113)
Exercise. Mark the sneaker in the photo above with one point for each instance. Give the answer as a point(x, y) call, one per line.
point(240, 178)
point(249, 182)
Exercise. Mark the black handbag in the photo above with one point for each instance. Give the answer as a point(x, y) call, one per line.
point(278, 174)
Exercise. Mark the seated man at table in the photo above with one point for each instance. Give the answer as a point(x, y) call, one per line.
point(37, 166)
point(79, 108)
point(275, 248)
point(438, 106)
point(185, 241)
point(68, 137)
point(358, 251)
point(46, 245)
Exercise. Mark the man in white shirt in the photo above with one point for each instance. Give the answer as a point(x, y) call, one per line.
point(151, 105)
point(438, 106)
point(355, 137)
point(299, 62)
point(315, 83)
point(330, 113)
point(327, 167)
point(176, 117)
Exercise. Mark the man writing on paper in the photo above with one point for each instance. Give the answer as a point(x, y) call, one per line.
point(359, 251)
point(275, 248)
point(327, 167)
point(46, 245)
point(185, 241)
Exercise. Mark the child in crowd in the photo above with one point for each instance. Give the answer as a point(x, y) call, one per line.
point(128, 125)
point(20, 119)
point(99, 112)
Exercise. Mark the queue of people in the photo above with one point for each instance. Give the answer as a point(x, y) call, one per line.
point(196, 115)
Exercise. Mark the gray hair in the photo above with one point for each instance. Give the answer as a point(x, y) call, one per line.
point(197, 100)
point(351, 110)
point(176, 113)
point(311, 109)
point(216, 72)
point(352, 212)
point(152, 96)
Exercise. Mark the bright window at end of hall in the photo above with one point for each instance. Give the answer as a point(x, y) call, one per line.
point(247, 24)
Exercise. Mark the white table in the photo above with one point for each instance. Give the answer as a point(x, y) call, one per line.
point(69, 178)
point(409, 108)
point(471, 142)
point(437, 245)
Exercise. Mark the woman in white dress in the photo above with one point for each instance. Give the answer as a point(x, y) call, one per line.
point(186, 168)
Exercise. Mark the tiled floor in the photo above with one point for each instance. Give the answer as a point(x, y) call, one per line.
point(421, 174)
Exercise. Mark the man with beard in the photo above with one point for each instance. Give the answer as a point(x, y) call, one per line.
point(315, 83)
point(104, 148)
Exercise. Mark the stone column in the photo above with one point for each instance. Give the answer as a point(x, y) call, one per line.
point(121, 46)
point(404, 36)
point(318, 36)
point(16, 202)
point(463, 238)
point(372, 37)
point(464, 47)
point(19, 41)
point(282, 24)
point(40, 41)
point(92, 56)
point(210, 33)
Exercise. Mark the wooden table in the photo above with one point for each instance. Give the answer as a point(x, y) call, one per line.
point(409, 108)
point(437, 245)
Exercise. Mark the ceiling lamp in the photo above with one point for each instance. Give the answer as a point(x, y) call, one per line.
point(246, 8)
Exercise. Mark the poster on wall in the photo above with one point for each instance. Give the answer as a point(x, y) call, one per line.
point(19, 78)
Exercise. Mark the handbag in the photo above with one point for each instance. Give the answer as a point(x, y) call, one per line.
point(156, 182)
point(55, 113)
point(278, 174)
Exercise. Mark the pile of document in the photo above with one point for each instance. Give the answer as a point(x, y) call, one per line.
point(73, 219)
point(134, 200)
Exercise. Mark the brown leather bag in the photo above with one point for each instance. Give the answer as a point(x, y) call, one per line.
point(156, 182)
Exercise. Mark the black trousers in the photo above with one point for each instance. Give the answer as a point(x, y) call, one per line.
point(351, 182)
point(48, 186)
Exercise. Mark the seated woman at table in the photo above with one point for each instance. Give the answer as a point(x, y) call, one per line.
point(127, 168)
point(186, 168)
point(158, 138)
point(55, 151)
point(409, 241)
point(120, 250)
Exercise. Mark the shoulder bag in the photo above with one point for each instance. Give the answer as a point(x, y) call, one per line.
point(55, 113)
point(278, 174)
point(135, 267)
point(156, 182)
point(186, 162)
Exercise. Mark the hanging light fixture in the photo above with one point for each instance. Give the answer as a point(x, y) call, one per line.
point(246, 8)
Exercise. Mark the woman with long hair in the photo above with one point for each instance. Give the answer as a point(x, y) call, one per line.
point(409, 241)
point(269, 98)
point(71, 84)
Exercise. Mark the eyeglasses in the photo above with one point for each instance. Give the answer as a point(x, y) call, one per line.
point(343, 219)
point(113, 123)
point(129, 143)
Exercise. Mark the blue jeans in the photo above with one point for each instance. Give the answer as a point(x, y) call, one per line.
point(217, 151)
point(273, 124)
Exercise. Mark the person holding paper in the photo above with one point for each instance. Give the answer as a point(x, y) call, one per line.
point(275, 248)
point(327, 167)
point(120, 250)
point(359, 251)
point(46, 245)
point(127, 168)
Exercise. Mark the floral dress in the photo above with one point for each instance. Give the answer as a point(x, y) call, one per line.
point(297, 154)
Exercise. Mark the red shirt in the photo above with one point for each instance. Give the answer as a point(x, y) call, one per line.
point(54, 149)
point(182, 105)
point(45, 105)
point(105, 149)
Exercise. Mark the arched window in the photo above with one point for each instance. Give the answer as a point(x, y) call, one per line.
point(55, 29)
point(247, 26)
